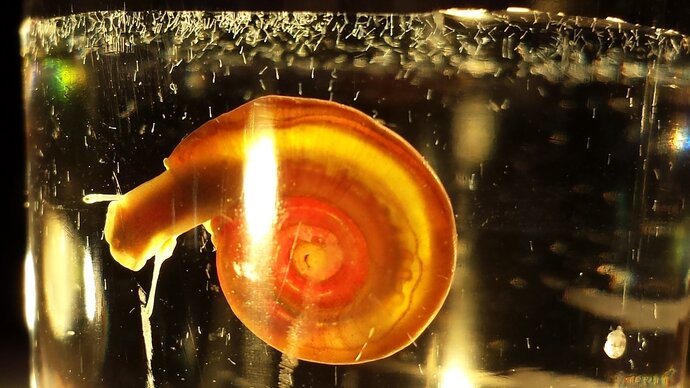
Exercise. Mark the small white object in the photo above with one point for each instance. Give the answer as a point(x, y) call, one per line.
point(615, 343)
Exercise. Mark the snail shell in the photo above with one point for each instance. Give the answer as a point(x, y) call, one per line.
point(335, 241)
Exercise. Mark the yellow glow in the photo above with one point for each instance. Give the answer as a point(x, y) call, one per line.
point(614, 19)
point(518, 9)
point(29, 291)
point(454, 377)
point(89, 286)
point(474, 130)
point(680, 139)
point(32, 380)
point(60, 270)
point(473, 136)
point(260, 185)
point(471, 13)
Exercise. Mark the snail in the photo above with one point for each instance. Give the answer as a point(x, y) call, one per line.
point(335, 241)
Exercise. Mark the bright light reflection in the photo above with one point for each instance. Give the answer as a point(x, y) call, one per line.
point(32, 380)
point(260, 185)
point(466, 13)
point(518, 9)
point(614, 19)
point(260, 197)
point(89, 286)
point(455, 378)
point(29, 291)
point(60, 274)
point(680, 139)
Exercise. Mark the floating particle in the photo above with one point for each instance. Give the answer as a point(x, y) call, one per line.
point(615, 343)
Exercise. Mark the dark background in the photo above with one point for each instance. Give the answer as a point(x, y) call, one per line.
point(14, 339)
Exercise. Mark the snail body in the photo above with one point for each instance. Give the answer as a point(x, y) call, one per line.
point(335, 240)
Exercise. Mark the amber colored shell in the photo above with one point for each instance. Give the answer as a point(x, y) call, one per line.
point(359, 252)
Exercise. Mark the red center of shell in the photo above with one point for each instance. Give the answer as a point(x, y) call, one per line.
point(321, 255)
point(318, 256)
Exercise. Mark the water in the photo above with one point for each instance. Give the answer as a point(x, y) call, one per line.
point(563, 143)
